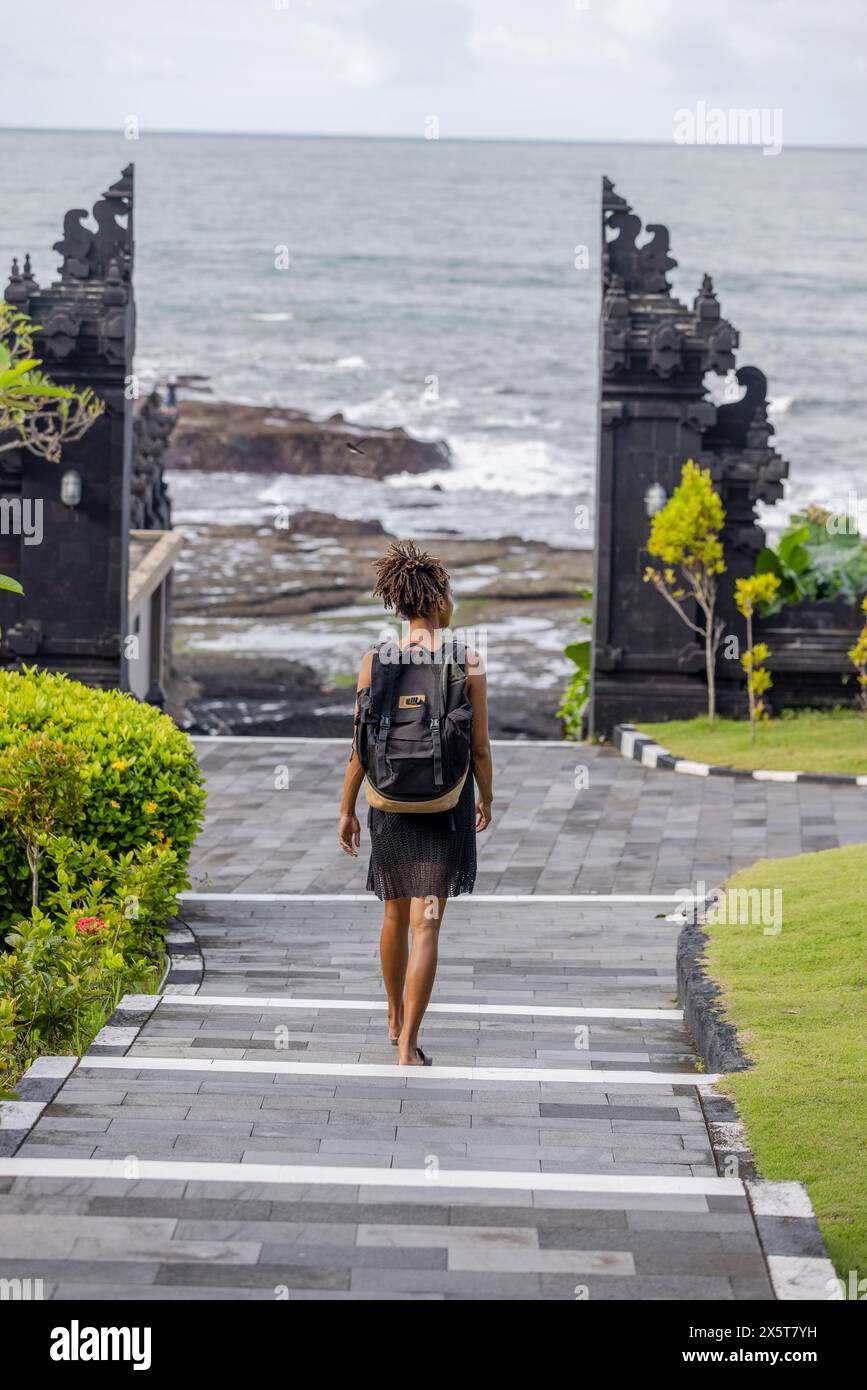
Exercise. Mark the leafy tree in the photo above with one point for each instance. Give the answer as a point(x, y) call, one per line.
point(684, 538)
point(41, 791)
point(858, 657)
point(34, 413)
point(750, 594)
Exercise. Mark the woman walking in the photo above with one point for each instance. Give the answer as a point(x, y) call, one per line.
point(419, 707)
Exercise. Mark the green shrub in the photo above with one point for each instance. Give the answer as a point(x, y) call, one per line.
point(577, 692)
point(99, 936)
point(41, 790)
point(142, 782)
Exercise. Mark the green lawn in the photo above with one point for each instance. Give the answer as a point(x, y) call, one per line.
point(802, 741)
point(799, 1002)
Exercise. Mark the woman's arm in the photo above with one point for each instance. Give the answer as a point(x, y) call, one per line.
point(483, 764)
point(349, 832)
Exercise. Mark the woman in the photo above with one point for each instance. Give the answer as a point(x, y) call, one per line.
point(419, 860)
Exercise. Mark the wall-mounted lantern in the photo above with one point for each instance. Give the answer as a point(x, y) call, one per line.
point(70, 488)
point(655, 499)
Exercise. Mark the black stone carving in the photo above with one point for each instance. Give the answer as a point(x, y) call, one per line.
point(87, 255)
point(655, 413)
point(150, 507)
point(73, 613)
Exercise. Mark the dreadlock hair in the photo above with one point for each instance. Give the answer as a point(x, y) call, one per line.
point(408, 580)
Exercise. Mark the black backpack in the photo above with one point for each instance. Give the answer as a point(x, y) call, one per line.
point(413, 729)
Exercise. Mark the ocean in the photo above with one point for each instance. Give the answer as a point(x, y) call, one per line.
point(432, 284)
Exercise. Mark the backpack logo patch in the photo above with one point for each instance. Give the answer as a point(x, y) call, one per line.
point(410, 701)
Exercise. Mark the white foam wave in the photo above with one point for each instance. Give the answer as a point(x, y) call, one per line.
point(339, 365)
point(272, 318)
point(525, 468)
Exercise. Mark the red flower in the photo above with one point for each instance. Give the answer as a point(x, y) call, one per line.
point(90, 926)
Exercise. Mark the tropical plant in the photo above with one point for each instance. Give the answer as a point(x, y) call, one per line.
point(34, 412)
point(749, 595)
point(41, 789)
point(815, 558)
point(858, 657)
point(685, 539)
point(577, 692)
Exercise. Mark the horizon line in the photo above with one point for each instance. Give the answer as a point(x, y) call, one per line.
point(441, 139)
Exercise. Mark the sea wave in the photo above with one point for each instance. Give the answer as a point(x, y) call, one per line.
point(272, 318)
point(354, 363)
point(522, 468)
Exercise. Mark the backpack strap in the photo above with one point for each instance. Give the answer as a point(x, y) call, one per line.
point(439, 687)
point(436, 731)
point(382, 681)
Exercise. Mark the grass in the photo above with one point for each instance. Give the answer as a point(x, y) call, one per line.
point(799, 1002)
point(799, 741)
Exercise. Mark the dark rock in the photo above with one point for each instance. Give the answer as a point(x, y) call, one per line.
point(326, 524)
point(223, 437)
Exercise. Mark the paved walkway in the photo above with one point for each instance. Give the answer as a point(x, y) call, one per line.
point(630, 830)
point(557, 1149)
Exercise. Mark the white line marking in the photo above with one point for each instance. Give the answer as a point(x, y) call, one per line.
point(651, 753)
point(113, 1036)
point(253, 1066)
point(20, 1114)
point(770, 1198)
point(278, 738)
point(499, 898)
point(285, 1001)
point(245, 1173)
point(765, 775)
point(54, 1066)
point(803, 1278)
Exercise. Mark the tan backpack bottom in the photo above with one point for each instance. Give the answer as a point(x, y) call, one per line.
point(446, 802)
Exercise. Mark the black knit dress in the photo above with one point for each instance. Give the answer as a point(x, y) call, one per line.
point(420, 856)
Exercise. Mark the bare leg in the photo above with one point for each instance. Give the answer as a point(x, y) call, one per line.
point(393, 952)
point(425, 916)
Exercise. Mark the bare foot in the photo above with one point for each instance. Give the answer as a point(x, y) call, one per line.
point(412, 1057)
point(394, 1026)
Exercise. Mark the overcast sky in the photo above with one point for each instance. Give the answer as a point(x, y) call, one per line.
point(538, 69)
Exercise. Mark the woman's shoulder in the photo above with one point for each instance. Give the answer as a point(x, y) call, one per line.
point(365, 670)
point(473, 662)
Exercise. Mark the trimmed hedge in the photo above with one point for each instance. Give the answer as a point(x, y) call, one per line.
point(144, 785)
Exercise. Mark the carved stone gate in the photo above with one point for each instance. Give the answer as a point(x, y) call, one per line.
point(655, 413)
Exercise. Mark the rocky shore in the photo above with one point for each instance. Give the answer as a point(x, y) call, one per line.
point(219, 436)
point(272, 615)
point(270, 624)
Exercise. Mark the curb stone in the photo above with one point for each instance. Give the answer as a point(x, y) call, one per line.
point(37, 1088)
point(44, 1077)
point(632, 743)
point(700, 999)
point(798, 1265)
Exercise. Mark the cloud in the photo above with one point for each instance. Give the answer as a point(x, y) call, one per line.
point(425, 41)
point(509, 43)
point(351, 61)
point(638, 19)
